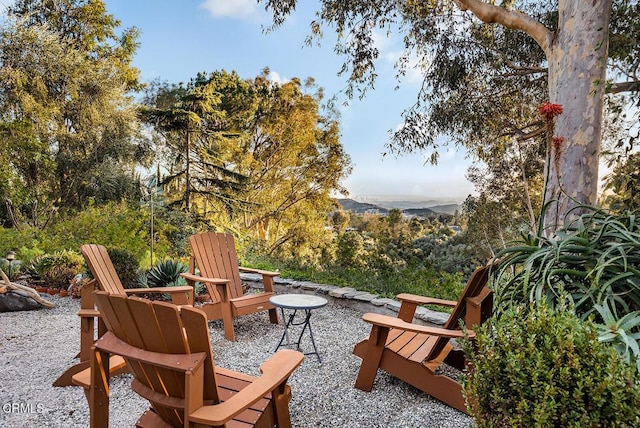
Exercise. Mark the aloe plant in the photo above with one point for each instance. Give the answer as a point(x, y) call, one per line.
point(593, 263)
point(623, 333)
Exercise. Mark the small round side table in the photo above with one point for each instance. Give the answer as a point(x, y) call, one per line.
point(298, 302)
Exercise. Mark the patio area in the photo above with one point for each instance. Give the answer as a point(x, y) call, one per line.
point(36, 346)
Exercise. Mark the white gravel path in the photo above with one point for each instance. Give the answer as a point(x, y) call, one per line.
point(36, 346)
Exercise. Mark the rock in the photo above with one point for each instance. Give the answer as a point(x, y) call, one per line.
point(307, 285)
point(340, 292)
point(394, 305)
point(381, 302)
point(252, 277)
point(12, 301)
point(366, 297)
point(325, 289)
point(432, 317)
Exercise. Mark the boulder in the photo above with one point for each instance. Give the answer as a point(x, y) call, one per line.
point(15, 300)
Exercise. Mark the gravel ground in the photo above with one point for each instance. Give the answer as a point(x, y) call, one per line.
point(36, 346)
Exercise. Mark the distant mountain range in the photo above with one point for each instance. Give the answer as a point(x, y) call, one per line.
point(419, 208)
point(361, 207)
point(404, 202)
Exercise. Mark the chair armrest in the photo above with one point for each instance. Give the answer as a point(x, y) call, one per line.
point(194, 277)
point(169, 290)
point(275, 372)
point(216, 295)
point(89, 313)
point(261, 272)
point(175, 293)
point(422, 300)
point(393, 322)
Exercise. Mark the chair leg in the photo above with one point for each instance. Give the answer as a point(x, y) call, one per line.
point(87, 338)
point(99, 390)
point(227, 321)
point(371, 360)
point(280, 399)
point(273, 316)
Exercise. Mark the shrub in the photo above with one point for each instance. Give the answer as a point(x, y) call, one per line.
point(454, 255)
point(546, 368)
point(35, 267)
point(126, 264)
point(351, 250)
point(58, 269)
point(112, 225)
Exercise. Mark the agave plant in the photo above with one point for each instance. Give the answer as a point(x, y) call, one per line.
point(593, 263)
point(166, 273)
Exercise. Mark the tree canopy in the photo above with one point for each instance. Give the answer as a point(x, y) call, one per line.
point(67, 121)
point(250, 155)
point(487, 68)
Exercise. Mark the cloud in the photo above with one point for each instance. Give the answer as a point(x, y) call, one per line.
point(275, 77)
point(381, 41)
point(239, 9)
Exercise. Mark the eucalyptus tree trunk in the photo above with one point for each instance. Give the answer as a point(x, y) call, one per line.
point(577, 60)
point(577, 71)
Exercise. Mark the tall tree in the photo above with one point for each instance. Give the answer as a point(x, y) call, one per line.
point(194, 124)
point(65, 77)
point(264, 158)
point(564, 44)
point(295, 162)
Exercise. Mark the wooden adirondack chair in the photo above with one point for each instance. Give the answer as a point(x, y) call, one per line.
point(168, 350)
point(214, 254)
point(413, 352)
point(106, 279)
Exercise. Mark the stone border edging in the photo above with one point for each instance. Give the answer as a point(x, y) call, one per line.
point(359, 300)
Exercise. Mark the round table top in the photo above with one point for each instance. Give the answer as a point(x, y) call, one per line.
point(298, 301)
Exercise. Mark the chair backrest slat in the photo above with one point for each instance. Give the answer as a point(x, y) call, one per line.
point(161, 327)
point(101, 268)
point(134, 334)
point(194, 323)
point(215, 256)
point(155, 324)
point(475, 284)
point(115, 311)
point(474, 287)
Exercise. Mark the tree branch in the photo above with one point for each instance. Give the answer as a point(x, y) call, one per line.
point(515, 20)
point(617, 88)
point(532, 134)
point(519, 70)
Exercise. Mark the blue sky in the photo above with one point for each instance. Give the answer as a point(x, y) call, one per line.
point(179, 38)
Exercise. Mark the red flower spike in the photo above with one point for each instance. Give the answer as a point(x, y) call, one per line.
point(557, 147)
point(550, 110)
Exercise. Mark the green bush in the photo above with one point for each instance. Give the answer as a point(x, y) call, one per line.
point(546, 368)
point(35, 267)
point(58, 269)
point(126, 265)
point(351, 252)
point(112, 225)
